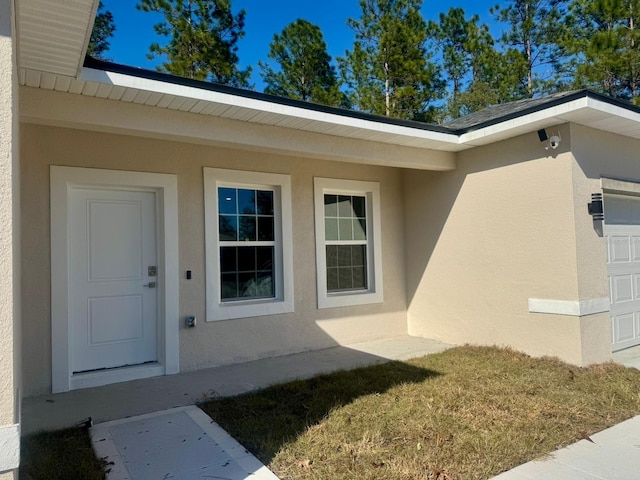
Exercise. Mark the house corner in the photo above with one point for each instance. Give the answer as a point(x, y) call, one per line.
point(9, 250)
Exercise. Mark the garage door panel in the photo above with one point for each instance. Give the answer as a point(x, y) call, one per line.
point(624, 328)
point(622, 232)
point(635, 249)
point(620, 249)
point(622, 288)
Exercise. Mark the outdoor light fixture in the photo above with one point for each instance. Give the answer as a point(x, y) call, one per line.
point(595, 207)
point(553, 141)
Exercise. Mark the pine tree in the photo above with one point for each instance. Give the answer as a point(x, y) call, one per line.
point(534, 28)
point(604, 37)
point(103, 28)
point(469, 61)
point(304, 66)
point(388, 71)
point(203, 37)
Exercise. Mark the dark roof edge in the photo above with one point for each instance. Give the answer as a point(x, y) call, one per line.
point(96, 64)
point(550, 104)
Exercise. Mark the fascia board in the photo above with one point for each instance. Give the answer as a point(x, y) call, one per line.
point(613, 110)
point(150, 85)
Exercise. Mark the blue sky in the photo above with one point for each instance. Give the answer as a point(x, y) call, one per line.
point(134, 29)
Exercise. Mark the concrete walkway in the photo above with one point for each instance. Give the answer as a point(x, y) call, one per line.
point(127, 399)
point(613, 454)
point(182, 443)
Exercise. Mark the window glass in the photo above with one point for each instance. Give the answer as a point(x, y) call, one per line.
point(227, 200)
point(346, 234)
point(346, 267)
point(246, 272)
point(265, 203)
point(246, 202)
point(246, 217)
point(228, 230)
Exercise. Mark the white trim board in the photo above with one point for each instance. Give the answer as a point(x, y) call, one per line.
point(573, 308)
point(166, 185)
point(625, 187)
point(9, 447)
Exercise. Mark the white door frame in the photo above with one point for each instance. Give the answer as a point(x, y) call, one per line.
point(166, 186)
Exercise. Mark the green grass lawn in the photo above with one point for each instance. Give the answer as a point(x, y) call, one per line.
point(467, 413)
point(60, 455)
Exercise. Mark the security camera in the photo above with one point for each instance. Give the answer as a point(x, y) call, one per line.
point(554, 142)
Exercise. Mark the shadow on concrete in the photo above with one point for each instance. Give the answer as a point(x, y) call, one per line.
point(126, 399)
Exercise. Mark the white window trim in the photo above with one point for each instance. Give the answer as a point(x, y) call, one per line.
point(283, 262)
point(374, 292)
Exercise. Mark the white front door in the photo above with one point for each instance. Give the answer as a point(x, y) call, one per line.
point(622, 231)
point(112, 283)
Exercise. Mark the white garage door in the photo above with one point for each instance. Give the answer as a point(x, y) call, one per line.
point(622, 231)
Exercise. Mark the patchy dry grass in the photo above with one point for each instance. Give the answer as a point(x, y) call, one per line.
point(467, 413)
point(60, 455)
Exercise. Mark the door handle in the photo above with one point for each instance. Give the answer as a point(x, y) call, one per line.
point(150, 285)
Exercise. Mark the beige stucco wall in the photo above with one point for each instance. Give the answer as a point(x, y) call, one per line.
point(9, 239)
point(484, 239)
point(221, 342)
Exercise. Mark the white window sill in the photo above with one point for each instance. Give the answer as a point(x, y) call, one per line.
point(256, 308)
point(349, 299)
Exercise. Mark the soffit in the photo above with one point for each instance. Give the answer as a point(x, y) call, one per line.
point(132, 89)
point(53, 34)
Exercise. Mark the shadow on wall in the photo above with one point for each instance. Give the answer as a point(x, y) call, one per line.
point(602, 154)
point(430, 197)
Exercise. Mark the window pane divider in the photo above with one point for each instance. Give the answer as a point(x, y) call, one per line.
point(250, 243)
point(345, 242)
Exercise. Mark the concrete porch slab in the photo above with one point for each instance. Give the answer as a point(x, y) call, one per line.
point(138, 397)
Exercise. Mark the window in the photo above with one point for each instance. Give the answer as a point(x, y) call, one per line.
point(248, 244)
point(348, 252)
point(246, 238)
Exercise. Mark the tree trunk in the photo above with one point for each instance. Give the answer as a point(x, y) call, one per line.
point(632, 44)
point(387, 93)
